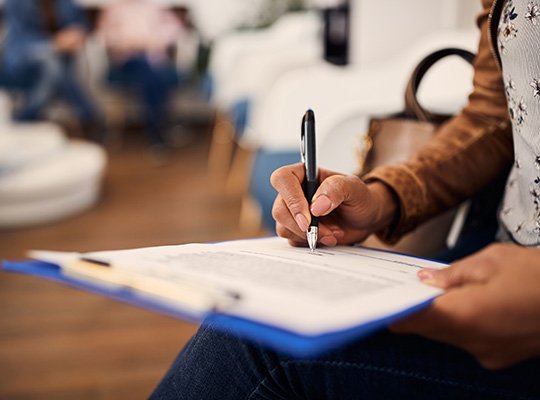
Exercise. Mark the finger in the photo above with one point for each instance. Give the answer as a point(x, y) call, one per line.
point(288, 183)
point(328, 239)
point(284, 232)
point(283, 217)
point(300, 241)
point(476, 269)
point(334, 191)
point(455, 276)
point(337, 231)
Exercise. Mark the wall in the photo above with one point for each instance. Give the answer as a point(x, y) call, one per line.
point(381, 28)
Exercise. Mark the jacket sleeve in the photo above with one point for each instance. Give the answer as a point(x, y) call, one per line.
point(466, 154)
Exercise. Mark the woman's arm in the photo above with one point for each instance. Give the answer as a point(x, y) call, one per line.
point(467, 153)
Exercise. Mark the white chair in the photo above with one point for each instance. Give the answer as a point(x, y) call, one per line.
point(244, 65)
point(239, 59)
point(43, 176)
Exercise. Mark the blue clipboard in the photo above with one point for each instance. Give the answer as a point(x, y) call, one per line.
point(278, 339)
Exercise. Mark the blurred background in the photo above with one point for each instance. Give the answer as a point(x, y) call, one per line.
point(131, 123)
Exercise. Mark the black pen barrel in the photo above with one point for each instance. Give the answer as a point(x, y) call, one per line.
point(311, 179)
point(310, 187)
point(310, 146)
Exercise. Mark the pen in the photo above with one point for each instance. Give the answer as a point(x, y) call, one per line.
point(311, 181)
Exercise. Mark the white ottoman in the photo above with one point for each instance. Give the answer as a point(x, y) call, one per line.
point(22, 145)
point(55, 187)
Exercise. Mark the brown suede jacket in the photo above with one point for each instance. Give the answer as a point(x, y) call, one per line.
point(468, 151)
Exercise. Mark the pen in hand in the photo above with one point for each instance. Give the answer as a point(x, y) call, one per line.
point(311, 181)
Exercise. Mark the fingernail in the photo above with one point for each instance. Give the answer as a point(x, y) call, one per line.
point(328, 241)
point(426, 275)
point(321, 205)
point(338, 233)
point(302, 222)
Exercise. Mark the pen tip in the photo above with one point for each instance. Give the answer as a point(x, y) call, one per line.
point(312, 236)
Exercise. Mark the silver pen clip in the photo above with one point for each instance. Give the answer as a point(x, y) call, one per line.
point(303, 140)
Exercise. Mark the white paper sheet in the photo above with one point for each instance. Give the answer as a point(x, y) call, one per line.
point(292, 288)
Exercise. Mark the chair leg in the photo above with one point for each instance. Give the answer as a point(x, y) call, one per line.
point(240, 172)
point(116, 117)
point(250, 220)
point(221, 148)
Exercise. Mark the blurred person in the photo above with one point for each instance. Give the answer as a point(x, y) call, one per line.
point(140, 36)
point(43, 37)
point(481, 338)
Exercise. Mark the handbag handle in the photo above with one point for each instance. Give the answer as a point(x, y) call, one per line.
point(413, 109)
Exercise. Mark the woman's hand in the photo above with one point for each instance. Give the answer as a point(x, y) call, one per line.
point(69, 40)
point(349, 210)
point(491, 307)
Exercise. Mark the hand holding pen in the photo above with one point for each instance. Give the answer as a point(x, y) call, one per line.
point(347, 210)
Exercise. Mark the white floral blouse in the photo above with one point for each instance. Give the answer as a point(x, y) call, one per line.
point(519, 48)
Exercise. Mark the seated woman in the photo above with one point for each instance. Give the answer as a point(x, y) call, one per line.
point(139, 35)
point(42, 39)
point(481, 338)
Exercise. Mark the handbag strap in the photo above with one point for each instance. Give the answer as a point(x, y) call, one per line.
point(413, 109)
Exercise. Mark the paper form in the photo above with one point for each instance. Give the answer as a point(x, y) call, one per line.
point(292, 288)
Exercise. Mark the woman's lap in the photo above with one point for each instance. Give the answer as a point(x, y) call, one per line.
point(217, 365)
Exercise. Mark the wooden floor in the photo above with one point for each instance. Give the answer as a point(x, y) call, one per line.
point(59, 343)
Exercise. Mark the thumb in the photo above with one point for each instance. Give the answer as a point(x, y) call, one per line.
point(464, 272)
point(336, 190)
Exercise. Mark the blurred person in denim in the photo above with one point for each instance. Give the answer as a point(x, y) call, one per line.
point(42, 39)
point(139, 36)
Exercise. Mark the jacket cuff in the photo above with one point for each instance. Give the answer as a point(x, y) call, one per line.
point(410, 193)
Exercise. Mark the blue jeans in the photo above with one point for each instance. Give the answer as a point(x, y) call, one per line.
point(152, 84)
point(48, 74)
point(217, 365)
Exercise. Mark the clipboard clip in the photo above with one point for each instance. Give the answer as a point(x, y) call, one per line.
point(190, 294)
